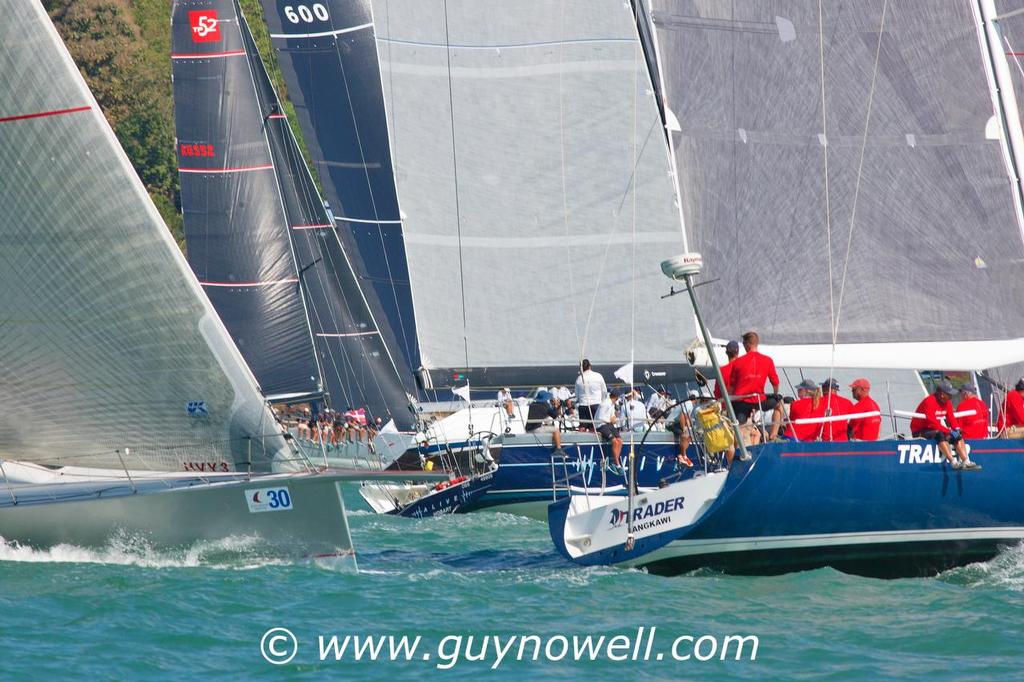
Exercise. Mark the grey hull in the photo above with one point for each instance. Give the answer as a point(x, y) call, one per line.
point(314, 526)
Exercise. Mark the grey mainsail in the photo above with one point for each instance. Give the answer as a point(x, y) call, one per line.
point(536, 187)
point(112, 355)
point(235, 227)
point(329, 62)
point(910, 239)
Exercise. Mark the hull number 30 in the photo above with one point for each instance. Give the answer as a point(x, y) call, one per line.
point(268, 499)
point(306, 13)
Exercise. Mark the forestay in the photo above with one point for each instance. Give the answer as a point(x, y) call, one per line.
point(535, 184)
point(235, 227)
point(918, 237)
point(107, 341)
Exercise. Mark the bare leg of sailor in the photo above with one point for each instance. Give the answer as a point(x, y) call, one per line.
point(961, 451)
point(616, 451)
point(729, 455)
point(556, 438)
point(944, 448)
point(776, 421)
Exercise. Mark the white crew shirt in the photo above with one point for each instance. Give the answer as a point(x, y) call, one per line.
point(590, 388)
point(605, 412)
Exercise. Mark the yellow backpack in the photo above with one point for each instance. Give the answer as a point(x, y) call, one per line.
point(718, 436)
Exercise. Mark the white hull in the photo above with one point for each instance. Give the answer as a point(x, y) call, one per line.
point(176, 511)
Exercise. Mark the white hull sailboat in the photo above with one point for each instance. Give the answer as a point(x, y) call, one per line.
point(153, 425)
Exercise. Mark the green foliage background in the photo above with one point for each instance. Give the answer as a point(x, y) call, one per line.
point(123, 48)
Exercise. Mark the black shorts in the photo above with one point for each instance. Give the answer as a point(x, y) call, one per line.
point(937, 436)
point(743, 410)
point(585, 413)
point(676, 428)
point(608, 432)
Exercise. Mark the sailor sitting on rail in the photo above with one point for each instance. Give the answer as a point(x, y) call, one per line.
point(808, 398)
point(864, 428)
point(747, 379)
point(973, 426)
point(834, 405)
point(936, 408)
point(543, 416)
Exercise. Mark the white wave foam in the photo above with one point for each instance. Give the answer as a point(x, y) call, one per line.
point(1005, 570)
point(239, 553)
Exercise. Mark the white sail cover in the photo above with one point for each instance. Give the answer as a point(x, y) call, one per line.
point(534, 182)
point(921, 241)
point(106, 341)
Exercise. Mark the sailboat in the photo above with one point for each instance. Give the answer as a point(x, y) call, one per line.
point(264, 245)
point(807, 139)
point(127, 408)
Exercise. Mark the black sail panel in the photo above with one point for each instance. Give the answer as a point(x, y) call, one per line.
point(329, 62)
point(235, 227)
point(357, 369)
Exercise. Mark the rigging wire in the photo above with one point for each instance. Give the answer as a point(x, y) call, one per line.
point(856, 191)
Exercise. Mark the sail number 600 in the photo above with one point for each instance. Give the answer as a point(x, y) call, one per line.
point(304, 13)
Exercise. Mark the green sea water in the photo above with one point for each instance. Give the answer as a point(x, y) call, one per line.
point(127, 612)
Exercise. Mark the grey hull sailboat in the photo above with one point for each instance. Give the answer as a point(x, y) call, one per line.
point(153, 426)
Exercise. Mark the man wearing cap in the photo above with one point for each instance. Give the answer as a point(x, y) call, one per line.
point(633, 414)
point(833, 405)
point(543, 416)
point(973, 426)
point(803, 408)
point(1011, 420)
point(864, 428)
point(678, 422)
point(935, 408)
point(505, 400)
point(732, 350)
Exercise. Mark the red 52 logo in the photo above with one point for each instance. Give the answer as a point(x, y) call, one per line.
point(205, 26)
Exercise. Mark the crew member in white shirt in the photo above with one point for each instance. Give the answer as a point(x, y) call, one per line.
point(605, 419)
point(590, 392)
point(505, 400)
point(634, 413)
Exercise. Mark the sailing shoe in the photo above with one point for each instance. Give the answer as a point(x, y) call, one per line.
point(955, 464)
point(971, 466)
point(685, 461)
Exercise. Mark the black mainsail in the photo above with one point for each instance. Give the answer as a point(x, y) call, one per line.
point(235, 227)
point(328, 58)
point(339, 333)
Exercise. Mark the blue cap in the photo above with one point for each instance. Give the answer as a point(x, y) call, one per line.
point(732, 347)
point(806, 385)
point(543, 396)
point(945, 387)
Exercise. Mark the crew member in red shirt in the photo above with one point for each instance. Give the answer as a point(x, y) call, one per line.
point(936, 408)
point(1011, 419)
point(732, 349)
point(803, 407)
point(864, 428)
point(834, 405)
point(973, 426)
point(747, 379)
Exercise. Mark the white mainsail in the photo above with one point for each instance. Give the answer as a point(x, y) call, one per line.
point(110, 354)
point(536, 189)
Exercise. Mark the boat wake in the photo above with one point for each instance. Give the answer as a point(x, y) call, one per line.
point(233, 553)
point(1005, 571)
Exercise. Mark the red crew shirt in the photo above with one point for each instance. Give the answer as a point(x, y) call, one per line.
point(726, 376)
point(802, 408)
point(749, 374)
point(834, 431)
point(1013, 410)
point(866, 428)
point(976, 425)
point(933, 412)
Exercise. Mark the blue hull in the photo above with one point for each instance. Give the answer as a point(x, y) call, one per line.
point(888, 508)
point(452, 500)
point(525, 473)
